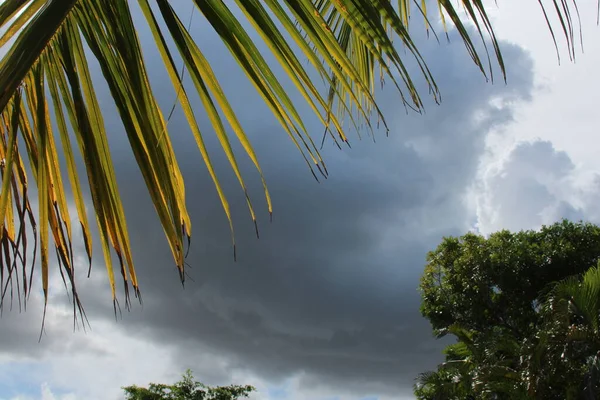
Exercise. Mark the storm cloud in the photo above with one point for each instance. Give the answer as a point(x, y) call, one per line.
point(329, 290)
point(328, 294)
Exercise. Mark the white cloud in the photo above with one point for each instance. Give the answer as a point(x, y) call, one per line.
point(544, 166)
point(565, 108)
point(46, 393)
point(533, 185)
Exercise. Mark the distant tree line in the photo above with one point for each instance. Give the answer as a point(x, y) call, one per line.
point(186, 389)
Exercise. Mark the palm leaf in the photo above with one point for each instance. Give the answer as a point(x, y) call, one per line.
point(46, 91)
point(581, 296)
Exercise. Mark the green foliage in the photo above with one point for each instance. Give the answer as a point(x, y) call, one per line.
point(569, 339)
point(477, 282)
point(186, 389)
point(525, 318)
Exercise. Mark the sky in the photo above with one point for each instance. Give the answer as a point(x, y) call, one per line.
point(325, 304)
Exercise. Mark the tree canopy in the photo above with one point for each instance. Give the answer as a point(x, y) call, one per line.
point(49, 109)
point(524, 309)
point(186, 389)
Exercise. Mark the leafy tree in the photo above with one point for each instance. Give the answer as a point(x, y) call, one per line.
point(479, 282)
point(45, 76)
point(186, 389)
point(525, 321)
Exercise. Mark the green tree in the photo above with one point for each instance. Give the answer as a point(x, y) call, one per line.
point(47, 95)
point(569, 338)
point(479, 282)
point(474, 371)
point(515, 302)
point(186, 389)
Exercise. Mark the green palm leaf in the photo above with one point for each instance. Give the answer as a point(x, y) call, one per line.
point(579, 296)
point(45, 77)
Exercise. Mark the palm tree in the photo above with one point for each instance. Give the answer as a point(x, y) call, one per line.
point(570, 340)
point(46, 91)
point(477, 366)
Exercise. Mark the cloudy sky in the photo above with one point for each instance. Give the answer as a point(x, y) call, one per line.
point(325, 305)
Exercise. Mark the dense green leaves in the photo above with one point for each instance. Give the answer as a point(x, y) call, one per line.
point(186, 389)
point(478, 282)
point(524, 316)
point(46, 90)
point(569, 341)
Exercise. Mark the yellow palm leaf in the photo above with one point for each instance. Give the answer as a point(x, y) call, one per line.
point(45, 73)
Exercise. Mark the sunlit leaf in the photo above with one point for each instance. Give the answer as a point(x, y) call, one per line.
point(48, 102)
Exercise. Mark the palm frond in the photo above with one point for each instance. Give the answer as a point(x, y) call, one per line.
point(581, 296)
point(47, 91)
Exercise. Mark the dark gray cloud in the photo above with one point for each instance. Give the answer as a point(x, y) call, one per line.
point(330, 289)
